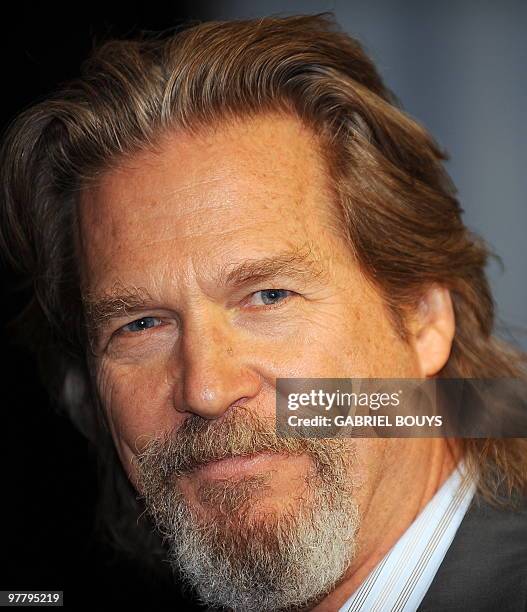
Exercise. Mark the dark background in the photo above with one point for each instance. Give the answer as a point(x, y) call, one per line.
point(458, 67)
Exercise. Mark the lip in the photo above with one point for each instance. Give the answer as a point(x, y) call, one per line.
point(240, 466)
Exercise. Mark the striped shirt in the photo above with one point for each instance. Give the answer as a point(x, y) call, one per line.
point(401, 579)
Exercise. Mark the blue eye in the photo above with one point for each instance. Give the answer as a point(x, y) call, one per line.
point(270, 296)
point(141, 324)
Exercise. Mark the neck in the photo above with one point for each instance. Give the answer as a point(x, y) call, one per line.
point(401, 492)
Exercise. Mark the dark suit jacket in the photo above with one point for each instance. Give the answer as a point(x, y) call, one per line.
point(485, 568)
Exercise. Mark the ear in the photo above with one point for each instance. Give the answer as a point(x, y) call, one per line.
point(433, 329)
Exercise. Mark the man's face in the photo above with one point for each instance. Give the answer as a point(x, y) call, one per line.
point(215, 266)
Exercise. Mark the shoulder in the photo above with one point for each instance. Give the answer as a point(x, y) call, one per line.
point(485, 567)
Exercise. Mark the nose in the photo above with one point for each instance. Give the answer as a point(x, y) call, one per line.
point(216, 372)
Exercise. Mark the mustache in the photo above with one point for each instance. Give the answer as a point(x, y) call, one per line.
point(240, 432)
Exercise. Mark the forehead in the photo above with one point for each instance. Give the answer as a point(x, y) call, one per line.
point(247, 187)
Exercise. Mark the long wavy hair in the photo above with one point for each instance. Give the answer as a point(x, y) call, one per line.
point(400, 215)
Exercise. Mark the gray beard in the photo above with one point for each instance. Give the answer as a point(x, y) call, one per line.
point(236, 558)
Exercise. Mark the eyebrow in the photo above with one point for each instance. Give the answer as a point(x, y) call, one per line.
point(122, 301)
point(297, 263)
point(119, 301)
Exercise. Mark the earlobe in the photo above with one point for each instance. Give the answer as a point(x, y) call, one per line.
point(434, 328)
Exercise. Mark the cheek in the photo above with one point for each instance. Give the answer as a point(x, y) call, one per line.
point(368, 346)
point(138, 406)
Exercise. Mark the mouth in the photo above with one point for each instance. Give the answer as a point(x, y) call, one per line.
point(232, 467)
